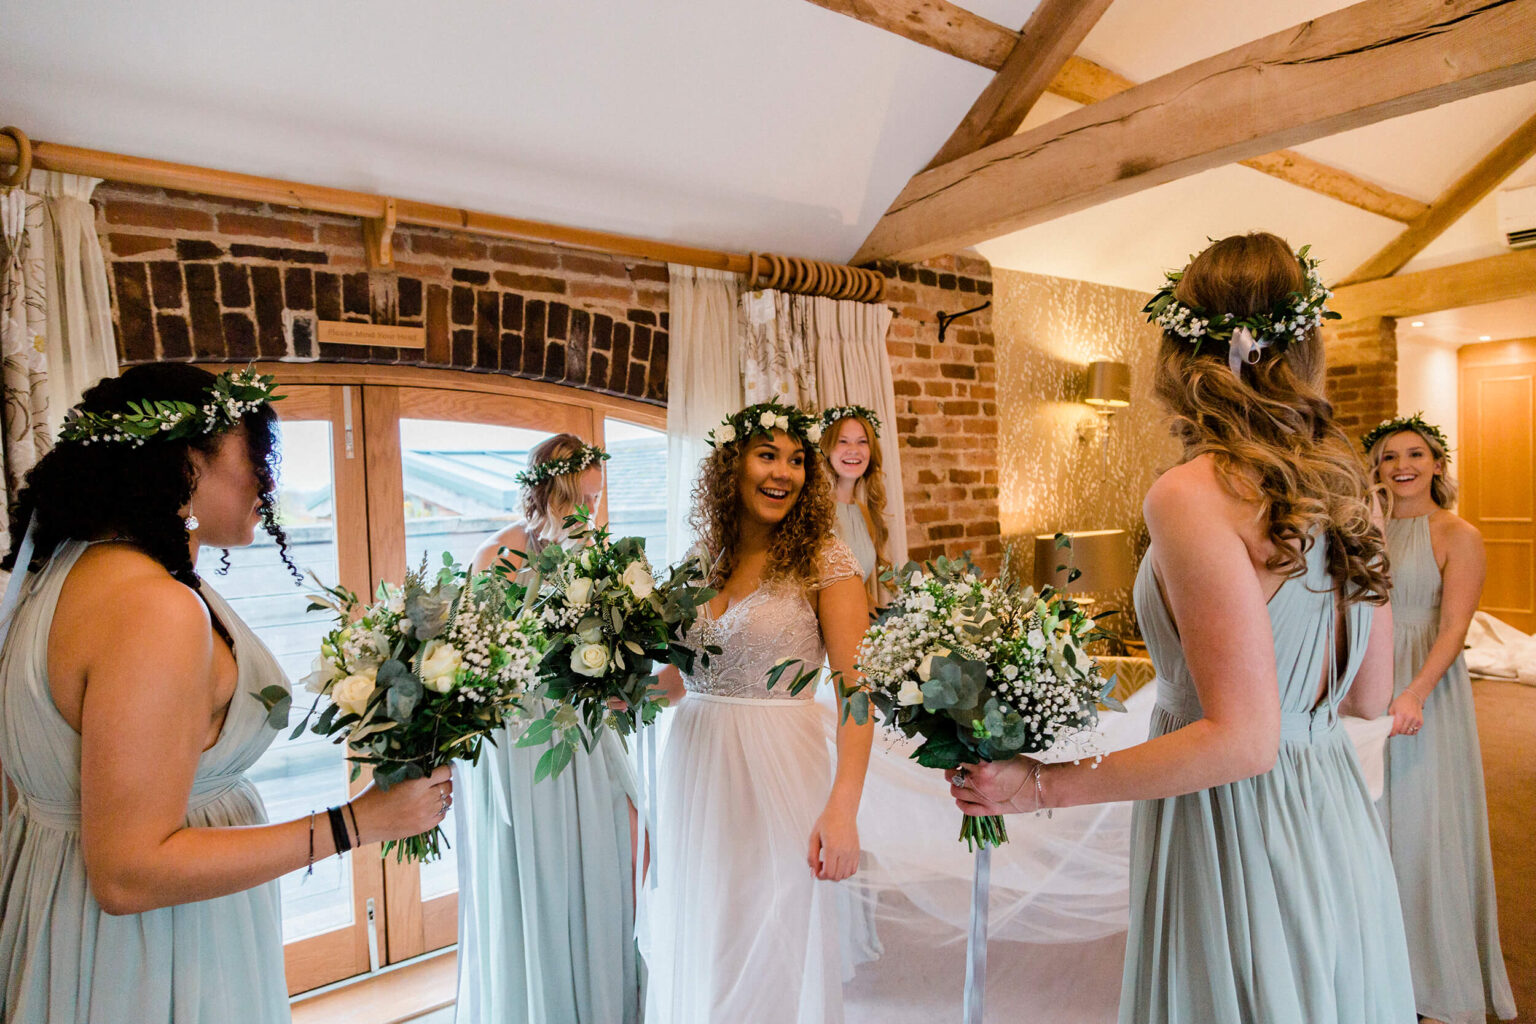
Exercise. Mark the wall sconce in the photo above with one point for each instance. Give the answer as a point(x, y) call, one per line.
point(1109, 389)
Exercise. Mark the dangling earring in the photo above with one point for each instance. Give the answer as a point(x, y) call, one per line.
point(190, 522)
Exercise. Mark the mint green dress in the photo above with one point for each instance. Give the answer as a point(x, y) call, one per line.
point(64, 960)
point(1268, 900)
point(1435, 812)
point(546, 907)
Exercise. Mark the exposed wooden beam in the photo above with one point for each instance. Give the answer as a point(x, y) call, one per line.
point(1375, 60)
point(1044, 46)
point(1451, 205)
point(1510, 276)
point(959, 33)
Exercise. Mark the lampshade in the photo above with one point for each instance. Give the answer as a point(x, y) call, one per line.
point(1103, 557)
point(1109, 384)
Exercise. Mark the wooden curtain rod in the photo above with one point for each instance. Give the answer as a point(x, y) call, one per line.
point(812, 277)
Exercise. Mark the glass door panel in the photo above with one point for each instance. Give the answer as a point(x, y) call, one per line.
point(637, 507)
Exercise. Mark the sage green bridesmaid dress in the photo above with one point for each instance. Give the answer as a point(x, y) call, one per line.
point(1435, 811)
point(546, 907)
point(1269, 900)
point(65, 961)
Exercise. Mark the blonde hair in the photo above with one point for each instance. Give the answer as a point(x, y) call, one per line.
point(869, 489)
point(796, 541)
point(1442, 489)
point(1269, 428)
point(548, 502)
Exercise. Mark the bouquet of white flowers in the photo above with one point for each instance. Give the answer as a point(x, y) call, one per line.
point(982, 670)
point(422, 676)
point(606, 620)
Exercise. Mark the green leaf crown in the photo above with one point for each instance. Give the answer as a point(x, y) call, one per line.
point(580, 459)
point(232, 394)
point(1297, 316)
point(763, 419)
point(1416, 423)
point(842, 412)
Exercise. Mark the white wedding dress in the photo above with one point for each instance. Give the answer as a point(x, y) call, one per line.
point(738, 928)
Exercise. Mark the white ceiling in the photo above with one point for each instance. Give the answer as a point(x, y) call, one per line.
point(770, 125)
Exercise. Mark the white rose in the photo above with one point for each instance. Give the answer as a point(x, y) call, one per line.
point(725, 433)
point(440, 666)
point(910, 693)
point(579, 591)
point(638, 579)
point(925, 670)
point(782, 423)
point(352, 693)
point(766, 420)
point(813, 433)
point(323, 673)
point(589, 659)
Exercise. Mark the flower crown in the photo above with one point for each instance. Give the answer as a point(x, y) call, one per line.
point(764, 418)
point(1416, 423)
point(232, 394)
point(843, 412)
point(1247, 337)
point(580, 459)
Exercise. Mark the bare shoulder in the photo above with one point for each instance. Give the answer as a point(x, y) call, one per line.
point(118, 600)
point(1454, 535)
point(513, 537)
point(1191, 489)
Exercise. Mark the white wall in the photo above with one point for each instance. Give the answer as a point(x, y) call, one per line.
point(1426, 380)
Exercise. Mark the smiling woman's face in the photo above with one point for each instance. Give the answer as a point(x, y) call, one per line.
point(1407, 466)
point(850, 452)
point(772, 477)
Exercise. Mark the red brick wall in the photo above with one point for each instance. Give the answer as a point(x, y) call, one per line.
point(1362, 372)
point(946, 406)
point(224, 280)
point(217, 280)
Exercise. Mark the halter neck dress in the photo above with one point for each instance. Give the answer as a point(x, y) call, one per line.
point(1435, 810)
point(66, 960)
point(1270, 899)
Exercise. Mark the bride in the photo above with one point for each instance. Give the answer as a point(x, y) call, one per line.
point(755, 824)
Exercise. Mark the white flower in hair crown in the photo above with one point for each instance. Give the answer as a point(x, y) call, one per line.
point(586, 455)
point(1246, 337)
point(1417, 423)
point(764, 418)
point(232, 394)
point(843, 412)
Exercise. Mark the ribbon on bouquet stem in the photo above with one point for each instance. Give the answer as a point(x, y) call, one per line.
point(976, 941)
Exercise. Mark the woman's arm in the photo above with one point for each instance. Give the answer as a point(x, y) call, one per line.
point(1371, 691)
point(500, 546)
point(147, 689)
point(843, 610)
point(1219, 605)
point(1466, 566)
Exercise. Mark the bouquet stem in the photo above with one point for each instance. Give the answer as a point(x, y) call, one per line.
point(421, 848)
point(983, 831)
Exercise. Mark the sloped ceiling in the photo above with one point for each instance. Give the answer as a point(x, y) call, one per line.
point(773, 125)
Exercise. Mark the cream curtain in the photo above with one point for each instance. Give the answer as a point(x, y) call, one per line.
point(818, 352)
point(55, 316)
point(703, 383)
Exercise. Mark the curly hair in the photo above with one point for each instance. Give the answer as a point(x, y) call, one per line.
point(548, 502)
point(869, 489)
point(1442, 489)
point(796, 541)
point(84, 491)
point(1270, 429)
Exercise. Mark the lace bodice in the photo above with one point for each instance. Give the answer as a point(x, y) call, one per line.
point(773, 623)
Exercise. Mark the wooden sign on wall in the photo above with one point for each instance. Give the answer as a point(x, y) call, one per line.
point(334, 332)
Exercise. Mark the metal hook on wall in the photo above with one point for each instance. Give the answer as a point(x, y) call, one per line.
point(945, 319)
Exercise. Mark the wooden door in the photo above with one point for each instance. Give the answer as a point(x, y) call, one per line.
point(1496, 468)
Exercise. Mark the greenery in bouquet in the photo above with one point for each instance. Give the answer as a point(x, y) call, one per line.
point(607, 620)
point(981, 670)
point(420, 677)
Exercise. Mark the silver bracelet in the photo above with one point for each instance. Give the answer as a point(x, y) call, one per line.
point(1039, 789)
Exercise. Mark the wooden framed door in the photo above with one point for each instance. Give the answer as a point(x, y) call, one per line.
point(1497, 471)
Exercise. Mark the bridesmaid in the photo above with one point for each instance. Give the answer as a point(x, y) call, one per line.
point(849, 439)
point(132, 887)
point(546, 905)
point(1261, 884)
point(1433, 805)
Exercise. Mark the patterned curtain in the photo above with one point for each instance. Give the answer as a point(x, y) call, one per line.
point(55, 317)
point(778, 350)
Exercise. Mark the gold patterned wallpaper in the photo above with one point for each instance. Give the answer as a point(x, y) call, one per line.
point(1047, 331)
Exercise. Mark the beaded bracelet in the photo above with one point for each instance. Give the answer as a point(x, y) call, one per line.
point(356, 832)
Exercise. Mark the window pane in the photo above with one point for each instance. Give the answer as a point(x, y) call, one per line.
point(309, 773)
point(637, 506)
